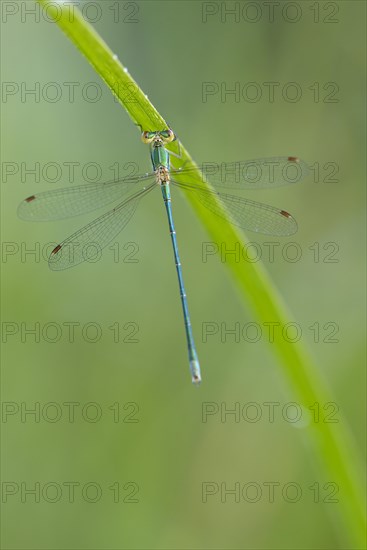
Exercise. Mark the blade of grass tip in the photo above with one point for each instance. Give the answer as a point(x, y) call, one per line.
point(334, 445)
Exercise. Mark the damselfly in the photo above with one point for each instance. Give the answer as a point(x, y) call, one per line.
point(250, 215)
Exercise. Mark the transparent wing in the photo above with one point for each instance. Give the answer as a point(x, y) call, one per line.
point(87, 243)
point(73, 201)
point(251, 174)
point(250, 215)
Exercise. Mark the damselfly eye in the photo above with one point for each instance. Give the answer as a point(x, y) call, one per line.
point(167, 135)
point(147, 137)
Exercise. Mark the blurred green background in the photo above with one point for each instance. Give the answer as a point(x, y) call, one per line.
point(149, 437)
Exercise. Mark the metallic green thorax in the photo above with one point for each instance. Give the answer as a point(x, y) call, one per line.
point(159, 156)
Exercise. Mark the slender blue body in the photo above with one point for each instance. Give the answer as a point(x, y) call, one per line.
point(161, 164)
point(193, 358)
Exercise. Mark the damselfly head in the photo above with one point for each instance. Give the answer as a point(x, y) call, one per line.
point(158, 137)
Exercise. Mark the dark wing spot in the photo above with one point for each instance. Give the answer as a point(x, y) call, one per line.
point(285, 214)
point(30, 199)
point(293, 159)
point(56, 249)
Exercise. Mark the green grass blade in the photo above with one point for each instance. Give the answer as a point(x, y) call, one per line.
point(333, 445)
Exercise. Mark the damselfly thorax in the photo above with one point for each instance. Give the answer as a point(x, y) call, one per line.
point(159, 155)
